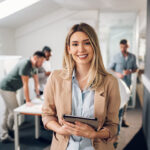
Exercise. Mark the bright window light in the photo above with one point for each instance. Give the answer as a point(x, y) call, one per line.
point(9, 7)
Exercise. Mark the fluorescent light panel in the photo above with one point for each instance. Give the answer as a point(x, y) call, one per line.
point(9, 7)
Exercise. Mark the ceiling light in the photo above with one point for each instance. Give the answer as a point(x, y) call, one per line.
point(9, 7)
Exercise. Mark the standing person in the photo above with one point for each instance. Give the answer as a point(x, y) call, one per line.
point(123, 65)
point(18, 77)
point(44, 71)
point(82, 88)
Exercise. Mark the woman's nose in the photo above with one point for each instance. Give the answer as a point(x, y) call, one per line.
point(81, 48)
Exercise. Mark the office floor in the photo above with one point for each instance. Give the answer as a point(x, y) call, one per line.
point(134, 118)
point(27, 140)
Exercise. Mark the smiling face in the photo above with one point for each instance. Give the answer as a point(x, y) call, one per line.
point(80, 48)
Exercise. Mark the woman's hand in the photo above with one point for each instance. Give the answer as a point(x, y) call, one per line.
point(79, 129)
point(63, 131)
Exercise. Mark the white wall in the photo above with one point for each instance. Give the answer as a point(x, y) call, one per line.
point(51, 30)
point(142, 23)
point(7, 41)
point(114, 26)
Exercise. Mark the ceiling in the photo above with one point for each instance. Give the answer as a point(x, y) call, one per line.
point(29, 14)
point(45, 7)
point(104, 5)
point(117, 19)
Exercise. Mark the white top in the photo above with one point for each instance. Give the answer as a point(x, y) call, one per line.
point(41, 75)
point(124, 91)
point(47, 66)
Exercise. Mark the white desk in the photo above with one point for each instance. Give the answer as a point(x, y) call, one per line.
point(35, 110)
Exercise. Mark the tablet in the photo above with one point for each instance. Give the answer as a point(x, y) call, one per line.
point(93, 122)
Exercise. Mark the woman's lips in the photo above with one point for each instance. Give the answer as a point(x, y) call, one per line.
point(83, 56)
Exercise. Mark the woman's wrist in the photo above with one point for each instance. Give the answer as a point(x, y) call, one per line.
point(53, 125)
point(62, 131)
point(95, 135)
point(102, 134)
point(59, 130)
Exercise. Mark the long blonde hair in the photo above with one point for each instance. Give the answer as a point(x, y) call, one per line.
point(97, 71)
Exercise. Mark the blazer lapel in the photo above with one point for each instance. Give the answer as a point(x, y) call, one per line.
point(67, 97)
point(99, 105)
point(66, 93)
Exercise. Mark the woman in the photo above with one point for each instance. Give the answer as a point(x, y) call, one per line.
point(83, 88)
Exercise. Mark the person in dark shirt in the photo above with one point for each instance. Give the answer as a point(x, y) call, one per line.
point(17, 78)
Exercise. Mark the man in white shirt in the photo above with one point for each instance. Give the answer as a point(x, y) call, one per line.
point(44, 71)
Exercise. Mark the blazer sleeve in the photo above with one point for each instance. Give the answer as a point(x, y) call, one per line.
point(48, 108)
point(112, 118)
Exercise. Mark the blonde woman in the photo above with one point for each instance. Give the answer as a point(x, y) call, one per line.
point(82, 88)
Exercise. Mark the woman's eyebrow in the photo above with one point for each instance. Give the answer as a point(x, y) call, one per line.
point(83, 40)
point(86, 40)
point(74, 41)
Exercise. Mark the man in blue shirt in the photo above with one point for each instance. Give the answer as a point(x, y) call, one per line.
point(124, 64)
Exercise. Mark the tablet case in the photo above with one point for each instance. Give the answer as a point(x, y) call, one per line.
point(93, 122)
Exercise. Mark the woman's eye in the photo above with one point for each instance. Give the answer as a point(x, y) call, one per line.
point(87, 43)
point(75, 44)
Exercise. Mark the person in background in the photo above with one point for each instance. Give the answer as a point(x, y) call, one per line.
point(17, 78)
point(82, 88)
point(124, 65)
point(125, 96)
point(44, 71)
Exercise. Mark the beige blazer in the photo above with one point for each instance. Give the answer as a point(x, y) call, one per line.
point(58, 99)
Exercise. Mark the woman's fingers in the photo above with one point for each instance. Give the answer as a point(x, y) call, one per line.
point(70, 124)
point(70, 129)
point(64, 131)
point(67, 123)
point(78, 129)
point(83, 126)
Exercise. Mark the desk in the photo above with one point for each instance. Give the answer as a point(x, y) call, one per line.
point(35, 110)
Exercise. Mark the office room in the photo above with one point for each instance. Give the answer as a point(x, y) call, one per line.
point(74, 74)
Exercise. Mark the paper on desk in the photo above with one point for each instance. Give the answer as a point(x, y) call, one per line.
point(42, 97)
point(37, 101)
point(36, 108)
